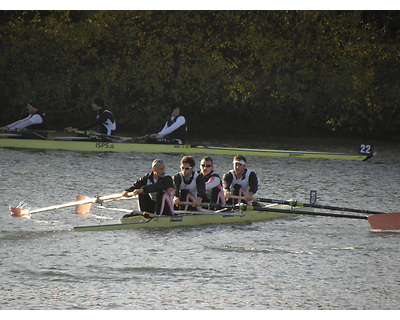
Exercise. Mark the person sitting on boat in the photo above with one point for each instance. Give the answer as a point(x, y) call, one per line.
point(36, 120)
point(104, 119)
point(213, 183)
point(155, 191)
point(174, 131)
point(240, 181)
point(189, 185)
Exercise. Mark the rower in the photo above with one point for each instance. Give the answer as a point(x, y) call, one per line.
point(36, 120)
point(240, 181)
point(174, 131)
point(104, 119)
point(213, 183)
point(189, 185)
point(155, 191)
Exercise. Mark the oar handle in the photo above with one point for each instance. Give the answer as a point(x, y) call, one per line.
point(184, 203)
point(28, 130)
point(91, 132)
point(114, 196)
point(238, 197)
point(292, 203)
point(212, 205)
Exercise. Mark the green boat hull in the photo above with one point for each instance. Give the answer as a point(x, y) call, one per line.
point(90, 146)
point(189, 219)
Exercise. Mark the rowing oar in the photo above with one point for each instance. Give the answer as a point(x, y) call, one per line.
point(245, 207)
point(28, 130)
point(382, 221)
point(20, 212)
point(294, 203)
point(89, 133)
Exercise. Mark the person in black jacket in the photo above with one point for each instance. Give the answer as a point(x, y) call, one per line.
point(104, 119)
point(155, 191)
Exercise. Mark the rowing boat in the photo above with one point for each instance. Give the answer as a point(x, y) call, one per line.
point(379, 221)
point(82, 145)
point(190, 218)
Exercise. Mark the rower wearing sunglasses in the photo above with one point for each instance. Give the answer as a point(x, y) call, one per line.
point(240, 181)
point(214, 190)
point(189, 185)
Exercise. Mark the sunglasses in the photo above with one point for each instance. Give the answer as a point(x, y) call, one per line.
point(206, 165)
point(185, 168)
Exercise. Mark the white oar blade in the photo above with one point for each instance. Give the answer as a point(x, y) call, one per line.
point(385, 221)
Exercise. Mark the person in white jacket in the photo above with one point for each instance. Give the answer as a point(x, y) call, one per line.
point(36, 120)
point(174, 131)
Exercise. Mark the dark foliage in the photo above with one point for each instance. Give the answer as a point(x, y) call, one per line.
point(251, 72)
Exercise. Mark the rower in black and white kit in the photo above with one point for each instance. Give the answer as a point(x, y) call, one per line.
point(155, 191)
point(240, 181)
point(174, 131)
point(213, 183)
point(189, 185)
point(104, 119)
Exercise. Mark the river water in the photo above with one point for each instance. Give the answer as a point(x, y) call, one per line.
point(299, 263)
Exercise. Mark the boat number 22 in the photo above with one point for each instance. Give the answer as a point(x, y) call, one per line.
point(365, 149)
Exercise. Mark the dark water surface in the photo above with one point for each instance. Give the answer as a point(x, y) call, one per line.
point(298, 263)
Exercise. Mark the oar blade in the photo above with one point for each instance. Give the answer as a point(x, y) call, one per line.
point(82, 205)
point(83, 209)
point(385, 221)
point(20, 212)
